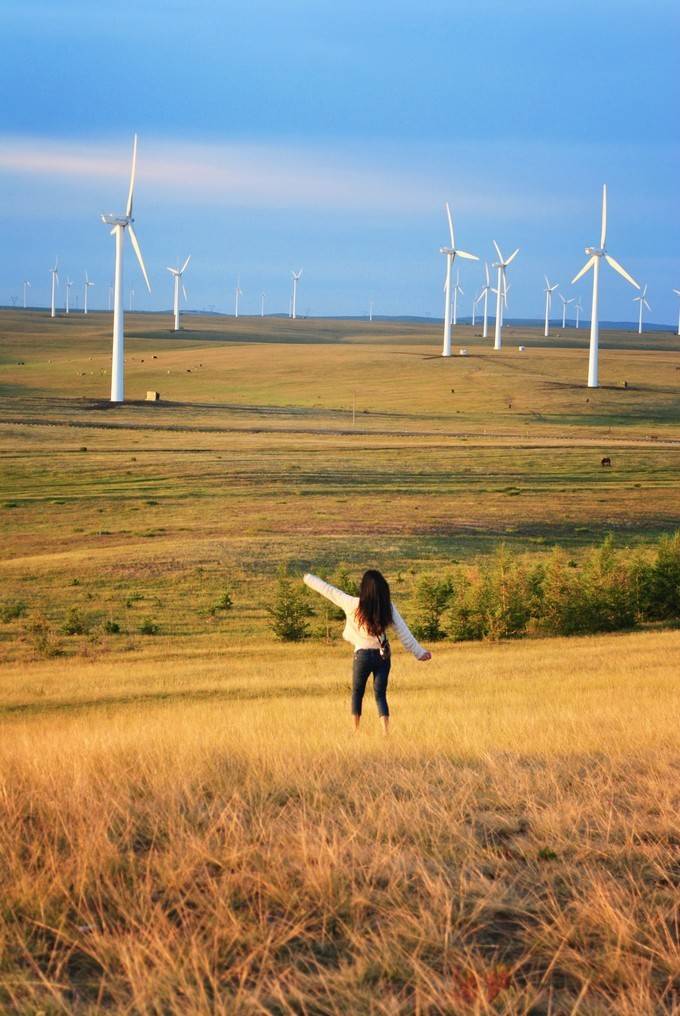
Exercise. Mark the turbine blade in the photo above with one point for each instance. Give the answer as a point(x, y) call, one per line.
point(512, 257)
point(448, 215)
point(498, 250)
point(135, 245)
point(586, 268)
point(173, 271)
point(184, 266)
point(646, 304)
point(467, 257)
point(547, 284)
point(603, 234)
point(486, 272)
point(128, 207)
point(186, 297)
point(621, 270)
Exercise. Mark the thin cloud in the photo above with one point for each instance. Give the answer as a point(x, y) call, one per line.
point(278, 176)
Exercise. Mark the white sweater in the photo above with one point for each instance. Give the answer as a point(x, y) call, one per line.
point(355, 633)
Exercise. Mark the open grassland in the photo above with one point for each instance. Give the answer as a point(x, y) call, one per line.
point(197, 831)
point(186, 824)
point(310, 442)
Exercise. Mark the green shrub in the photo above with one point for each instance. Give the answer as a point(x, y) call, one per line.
point(42, 637)
point(432, 597)
point(77, 623)
point(494, 600)
point(111, 627)
point(148, 627)
point(290, 611)
point(11, 610)
point(660, 582)
point(224, 602)
point(600, 596)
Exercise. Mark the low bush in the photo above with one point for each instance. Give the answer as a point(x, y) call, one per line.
point(42, 637)
point(290, 611)
point(78, 623)
point(11, 610)
point(149, 627)
point(432, 597)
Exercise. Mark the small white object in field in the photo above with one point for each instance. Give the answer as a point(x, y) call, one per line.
point(463, 352)
point(153, 396)
point(521, 348)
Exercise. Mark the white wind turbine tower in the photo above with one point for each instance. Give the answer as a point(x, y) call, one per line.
point(86, 289)
point(370, 311)
point(177, 274)
point(578, 308)
point(642, 300)
point(27, 285)
point(262, 296)
point(54, 272)
point(549, 290)
point(120, 223)
point(677, 293)
point(501, 292)
point(565, 304)
point(451, 253)
point(596, 255)
point(238, 293)
point(69, 283)
point(295, 276)
point(474, 308)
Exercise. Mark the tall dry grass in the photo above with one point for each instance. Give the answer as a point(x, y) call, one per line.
point(169, 845)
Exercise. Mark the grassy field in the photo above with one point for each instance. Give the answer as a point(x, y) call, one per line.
point(186, 823)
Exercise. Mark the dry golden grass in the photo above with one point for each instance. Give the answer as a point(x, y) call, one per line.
point(195, 830)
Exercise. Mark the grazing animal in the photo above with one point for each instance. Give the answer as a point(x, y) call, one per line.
point(606, 461)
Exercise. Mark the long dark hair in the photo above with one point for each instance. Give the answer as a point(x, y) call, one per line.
point(375, 605)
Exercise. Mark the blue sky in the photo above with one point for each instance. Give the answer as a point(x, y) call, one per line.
point(327, 136)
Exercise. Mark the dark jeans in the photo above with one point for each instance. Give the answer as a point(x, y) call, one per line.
point(367, 662)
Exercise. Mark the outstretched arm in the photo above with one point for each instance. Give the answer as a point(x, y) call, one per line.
point(336, 596)
point(409, 640)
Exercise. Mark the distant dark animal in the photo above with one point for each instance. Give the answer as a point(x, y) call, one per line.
point(625, 384)
point(606, 461)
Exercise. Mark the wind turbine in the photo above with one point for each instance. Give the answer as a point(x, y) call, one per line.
point(177, 274)
point(642, 300)
point(120, 223)
point(451, 253)
point(549, 290)
point(69, 283)
point(565, 304)
point(501, 292)
point(484, 292)
point(677, 293)
point(132, 299)
point(295, 276)
point(456, 290)
point(54, 272)
point(86, 288)
point(262, 296)
point(370, 311)
point(578, 308)
point(474, 308)
point(596, 255)
point(27, 284)
point(238, 292)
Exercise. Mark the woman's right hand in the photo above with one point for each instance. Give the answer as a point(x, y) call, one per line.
point(427, 655)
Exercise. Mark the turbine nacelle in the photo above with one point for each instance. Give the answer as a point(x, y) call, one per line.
point(110, 219)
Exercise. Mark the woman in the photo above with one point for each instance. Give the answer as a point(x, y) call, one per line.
point(368, 616)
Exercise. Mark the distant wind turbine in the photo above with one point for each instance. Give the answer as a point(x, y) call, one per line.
point(501, 292)
point(86, 289)
point(238, 293)
point(474, 307)
point(596, 255)
point(55, 282)
point(120, 223)
point(451, 253)
point(177, 274)
point(642, 300)
point(677, 293)
point(27, 285)
point(549, 290)
point(295, 277)
point(456, 290)
point(578, 308)
point(132, 299)
point(69, 283)
point(484, 292)
point(370, 311)
point(262, 296)
point(565, 304)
